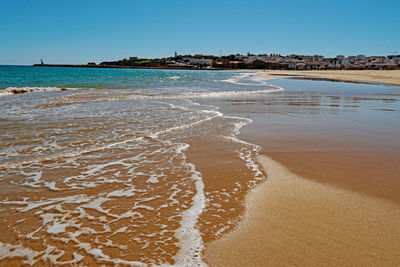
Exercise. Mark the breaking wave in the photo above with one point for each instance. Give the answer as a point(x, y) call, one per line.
point(22, 90)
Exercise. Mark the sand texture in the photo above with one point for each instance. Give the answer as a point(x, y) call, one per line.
point(291, 220)
point(370, 76)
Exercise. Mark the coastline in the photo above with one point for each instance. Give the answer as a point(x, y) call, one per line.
point(379, 77)
point(300, 128)
point(292, 220)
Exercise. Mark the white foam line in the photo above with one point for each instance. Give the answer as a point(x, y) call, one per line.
point(246, 155)
point(154, 135)
point(98, 254)
point(174, 77)
point(216, 114)
point(51, 186)
point(208, 94)
point(76, 153)
point(69, 154)
point(190, 241)
point(10, 251)
point(253, 76)
point(236, 79)
point(22, 90)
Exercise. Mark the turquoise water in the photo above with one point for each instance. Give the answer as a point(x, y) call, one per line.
point(29, 76)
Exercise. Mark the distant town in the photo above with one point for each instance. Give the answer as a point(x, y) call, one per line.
point(251, 61)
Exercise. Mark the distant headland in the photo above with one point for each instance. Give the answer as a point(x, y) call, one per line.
point(249, 61)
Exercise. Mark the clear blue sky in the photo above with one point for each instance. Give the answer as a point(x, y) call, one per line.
point(72, 31)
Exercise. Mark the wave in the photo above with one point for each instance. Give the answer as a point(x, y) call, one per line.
point(22, 90)
point(79, 151)
point(174, 78)
point(274, 89)
point(238, 79)
point(253, 77)
point(188, 235)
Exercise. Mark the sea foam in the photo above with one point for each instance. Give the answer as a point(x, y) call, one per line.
point(123, 149)
point(22, 90)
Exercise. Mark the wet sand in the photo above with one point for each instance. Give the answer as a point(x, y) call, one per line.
point(131, 203)
point(370, 76)
point(291, 220)
point(226, 181)
point(372, 173)
point(331, 198)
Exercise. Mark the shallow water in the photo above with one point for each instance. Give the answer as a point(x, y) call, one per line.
point(102, 176)
point(338, 133)
point(332, 194)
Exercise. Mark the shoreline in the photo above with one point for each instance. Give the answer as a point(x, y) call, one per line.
point(377, 77)
point(390, 77)
point(291, 220)
point(121, 67)
point(293, 223)
point(331, 193)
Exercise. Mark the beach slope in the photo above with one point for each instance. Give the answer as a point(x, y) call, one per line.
point(291, 220)
point(356, 76)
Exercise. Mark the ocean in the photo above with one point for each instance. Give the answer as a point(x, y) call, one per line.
point(97, 165)
point(136, 167)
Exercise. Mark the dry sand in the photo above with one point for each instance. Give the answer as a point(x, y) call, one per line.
point(291, 220)
point(370, 76)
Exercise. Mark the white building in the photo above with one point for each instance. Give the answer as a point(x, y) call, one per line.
point(318, 58)
point(199, 61)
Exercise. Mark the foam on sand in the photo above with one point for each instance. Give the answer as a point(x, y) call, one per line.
point(190, 241)
point(99, 190)
point(292, 220)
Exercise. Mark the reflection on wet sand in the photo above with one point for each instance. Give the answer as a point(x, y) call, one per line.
point(333, 181)
point(291, 220)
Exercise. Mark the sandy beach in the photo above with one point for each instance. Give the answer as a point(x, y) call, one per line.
point(291, 220)
point(358, 76)
point(176, 179)
point(331, 194)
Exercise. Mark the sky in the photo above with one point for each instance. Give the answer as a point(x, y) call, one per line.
point(81, 31)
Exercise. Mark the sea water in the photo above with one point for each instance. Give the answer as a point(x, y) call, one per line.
point(94, 166)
